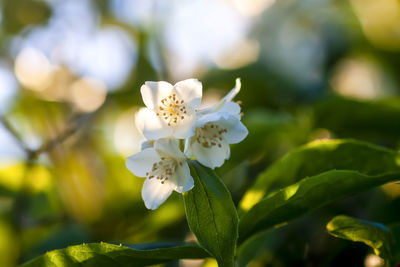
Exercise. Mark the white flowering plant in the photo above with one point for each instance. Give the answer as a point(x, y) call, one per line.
point(180, 133)
point(185, 142)
point(173, 119)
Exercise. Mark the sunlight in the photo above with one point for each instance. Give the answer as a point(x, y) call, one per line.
point(81, 188)
point(88, 94)
point(13, 176)
point(33, 69)
point(357, 78)
point(194, 41)
point(290, 191)
point(380, 21)
point(243, 53)
point(251, 198)
point(252, 8)
point(392, 190)
point(127, 137)
point(372, 260)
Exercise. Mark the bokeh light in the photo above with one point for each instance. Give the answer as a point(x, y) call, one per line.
point(253, 7)
point(380, 21)
point(127, 137)
point(357, 78)
point(88, 94)
point(33, 69)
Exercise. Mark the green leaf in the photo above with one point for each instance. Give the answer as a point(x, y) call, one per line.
point(261, 244)
point(375, 235)
point(103, 254)
point(211, 214)
point(368, 120)
point(312, 192)
point(317, 157)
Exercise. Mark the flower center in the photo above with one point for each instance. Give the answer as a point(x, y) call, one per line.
point(210, 135)
point(172, 110)
point(164, 169)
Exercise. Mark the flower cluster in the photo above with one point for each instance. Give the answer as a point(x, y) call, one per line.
point(176, 130)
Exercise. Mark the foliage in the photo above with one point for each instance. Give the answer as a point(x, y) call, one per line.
point(103, 254)
point(320, 99)
point(212, 215)
point(311, 192)
point(375, 235)
point(318, 157)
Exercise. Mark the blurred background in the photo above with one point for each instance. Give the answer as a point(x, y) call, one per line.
point(70, 74)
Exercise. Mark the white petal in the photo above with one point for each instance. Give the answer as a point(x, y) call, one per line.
point(226, 104)
point(154, 193)
point(151, 125)
point(154, 92)
point(211, 156)
point(236, 131)
point(186, 127)
point(190, 91)
point(182, 178)
point(146, 144)
point(216, 117)
point(188, 148)
point(169, 147)
point(142, 162)
point(231, 108)
point(234, 91)
point(210, 117)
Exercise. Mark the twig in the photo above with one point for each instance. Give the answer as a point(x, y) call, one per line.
point(50, 144)
point(15, 134)
point(76, 122)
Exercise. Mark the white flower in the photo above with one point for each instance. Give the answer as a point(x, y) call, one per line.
point(214, 132)
point(146, 144)
point(225, 104)
point(216, 128)
point(165, 168)
point(170, 109)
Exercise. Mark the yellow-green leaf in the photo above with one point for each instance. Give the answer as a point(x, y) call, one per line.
point(310, 193)
point(103, 254)
point(375, 235)
point(317, 157)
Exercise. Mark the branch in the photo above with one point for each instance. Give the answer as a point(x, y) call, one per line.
point(77, 122)
point(14, 133)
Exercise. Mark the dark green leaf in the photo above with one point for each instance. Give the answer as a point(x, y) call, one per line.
point(368, 120)
point(375, 235)
point(312, 192)
point(318, 157)
point(261, 244)
point(211, 214)
point(103, 254)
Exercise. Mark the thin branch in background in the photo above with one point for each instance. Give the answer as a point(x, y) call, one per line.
point(15, 134)
point(75, 122)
